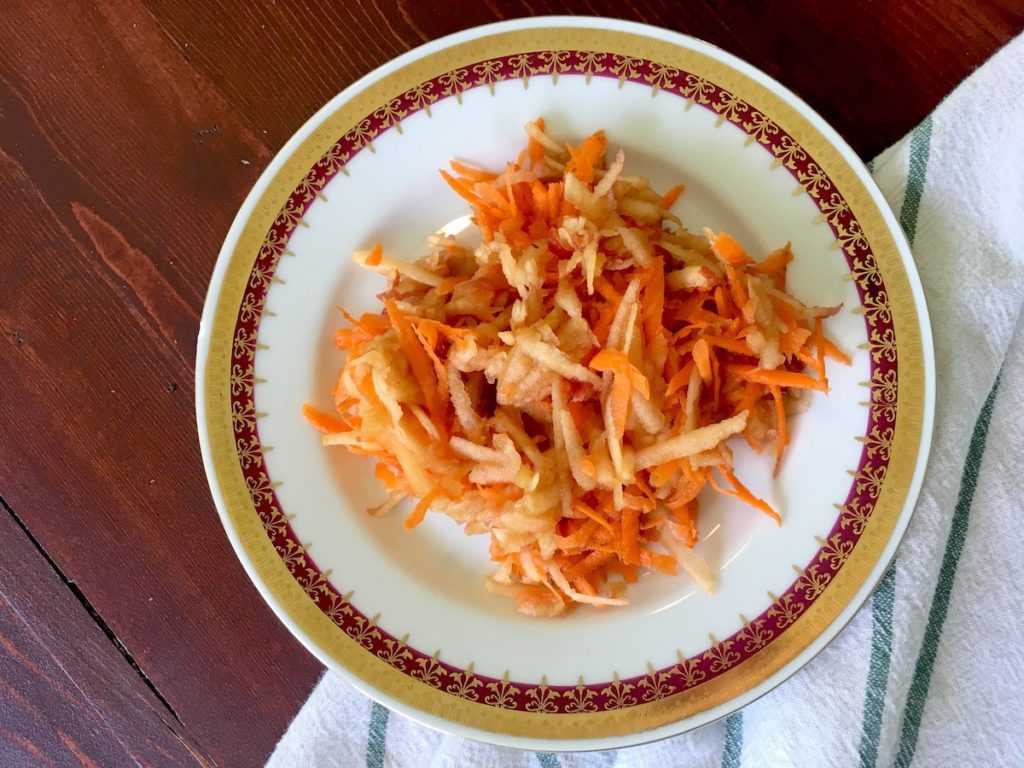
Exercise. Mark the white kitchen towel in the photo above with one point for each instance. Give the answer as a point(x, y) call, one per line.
point(929, 672)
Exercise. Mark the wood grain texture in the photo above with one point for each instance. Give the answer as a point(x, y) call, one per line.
point(120, 193)
point(130, 132)
point(873, 69)
point(67, 696)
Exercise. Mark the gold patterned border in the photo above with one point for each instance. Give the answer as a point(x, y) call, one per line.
point(804, 626)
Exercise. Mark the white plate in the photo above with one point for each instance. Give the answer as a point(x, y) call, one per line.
point(405, 616)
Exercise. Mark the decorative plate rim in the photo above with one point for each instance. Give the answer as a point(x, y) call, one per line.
point(519, 714)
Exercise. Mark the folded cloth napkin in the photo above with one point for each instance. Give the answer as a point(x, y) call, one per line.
point(929, 672)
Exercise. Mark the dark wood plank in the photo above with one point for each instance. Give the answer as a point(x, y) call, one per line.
point(130, 131)
point(120, 170)
point(874, 70)
point(67, 696)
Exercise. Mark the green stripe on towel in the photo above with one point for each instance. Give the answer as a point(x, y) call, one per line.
point(918, 695)
point(878, 669)
point(378, 733)
point(920, 146)
point(733, 740)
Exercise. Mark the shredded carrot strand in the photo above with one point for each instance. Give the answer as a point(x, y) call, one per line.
point(670, 197)
point(743, 494)
point(422, 367)
point(630, 541)
point(420, 510)
point(469, 172)
point(325, 422)
point(783, 379)
point(375, 255)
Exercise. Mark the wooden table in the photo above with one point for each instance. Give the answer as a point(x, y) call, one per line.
point(130, 131)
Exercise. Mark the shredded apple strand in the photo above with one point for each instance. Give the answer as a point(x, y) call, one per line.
point(568, 385)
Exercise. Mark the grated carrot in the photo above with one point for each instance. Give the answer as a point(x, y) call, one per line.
point(670, 197)
point(325, 422)
point(420, 510)
point(375, 256)
point(569, 386)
